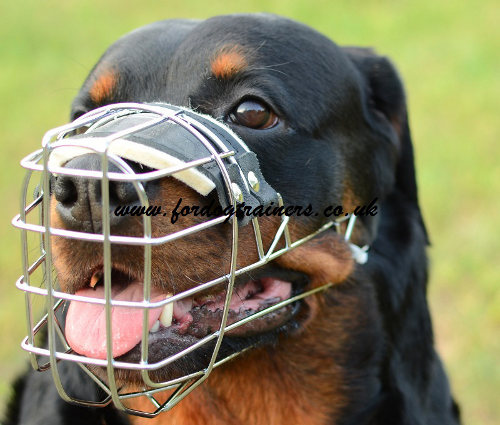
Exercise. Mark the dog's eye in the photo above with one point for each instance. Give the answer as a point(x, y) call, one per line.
point(254, 114)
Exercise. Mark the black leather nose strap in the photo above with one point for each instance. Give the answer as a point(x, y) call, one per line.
point(171, 138)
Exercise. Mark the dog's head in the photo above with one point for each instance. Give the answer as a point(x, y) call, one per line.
point(329, 128)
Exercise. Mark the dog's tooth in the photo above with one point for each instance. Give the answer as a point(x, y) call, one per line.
point(167, 315)
point(96, 277)
point(156, 327)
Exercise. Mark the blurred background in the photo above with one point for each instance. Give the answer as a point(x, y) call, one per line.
point(448, 55)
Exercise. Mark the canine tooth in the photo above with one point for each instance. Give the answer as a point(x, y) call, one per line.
point(96, 277)
point(167, 314)
point(156, 327)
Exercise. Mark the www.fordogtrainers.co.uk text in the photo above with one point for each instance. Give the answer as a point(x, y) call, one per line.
point(242, 210)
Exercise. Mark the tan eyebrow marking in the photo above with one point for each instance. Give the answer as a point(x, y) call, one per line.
point(229, 61)
point(103, 87)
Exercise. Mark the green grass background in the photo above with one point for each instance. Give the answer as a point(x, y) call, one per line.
point(448, 54)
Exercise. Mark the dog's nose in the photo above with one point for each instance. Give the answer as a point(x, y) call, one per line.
point(80, 198)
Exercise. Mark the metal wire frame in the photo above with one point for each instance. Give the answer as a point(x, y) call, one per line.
point(218, 153)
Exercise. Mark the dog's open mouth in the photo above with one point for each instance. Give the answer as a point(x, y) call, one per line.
point(177, 325)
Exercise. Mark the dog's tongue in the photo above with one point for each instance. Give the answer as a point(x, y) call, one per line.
point(86, 322)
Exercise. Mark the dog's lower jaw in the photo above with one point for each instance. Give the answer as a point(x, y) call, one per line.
point(305, 379)
point(254, 390)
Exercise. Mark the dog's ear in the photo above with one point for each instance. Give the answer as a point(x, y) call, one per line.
point(386, 111)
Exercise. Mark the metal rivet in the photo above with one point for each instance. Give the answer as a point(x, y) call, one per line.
point(238, 194)
point(254, 181)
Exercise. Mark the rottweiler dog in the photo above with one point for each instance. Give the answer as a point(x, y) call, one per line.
point(329, 127)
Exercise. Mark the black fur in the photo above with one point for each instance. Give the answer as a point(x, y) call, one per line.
point(343, 113)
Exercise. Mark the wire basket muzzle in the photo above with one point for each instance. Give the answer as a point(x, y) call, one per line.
point(171, 142)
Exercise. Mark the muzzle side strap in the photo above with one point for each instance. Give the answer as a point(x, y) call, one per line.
point(244, 168)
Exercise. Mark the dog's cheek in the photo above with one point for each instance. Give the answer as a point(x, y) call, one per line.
point(204, 255)
point(326, 259)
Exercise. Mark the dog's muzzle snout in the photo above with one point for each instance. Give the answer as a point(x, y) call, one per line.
point(79, 199)
point(114, 156)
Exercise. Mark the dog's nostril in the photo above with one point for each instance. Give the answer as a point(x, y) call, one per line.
point(65, 190)
point(72, 191)
point(121, 193)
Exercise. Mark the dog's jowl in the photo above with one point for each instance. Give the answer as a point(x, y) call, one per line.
point(195, 271)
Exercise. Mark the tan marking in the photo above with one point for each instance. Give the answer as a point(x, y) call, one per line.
point(103, 87)
point(229, 61)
